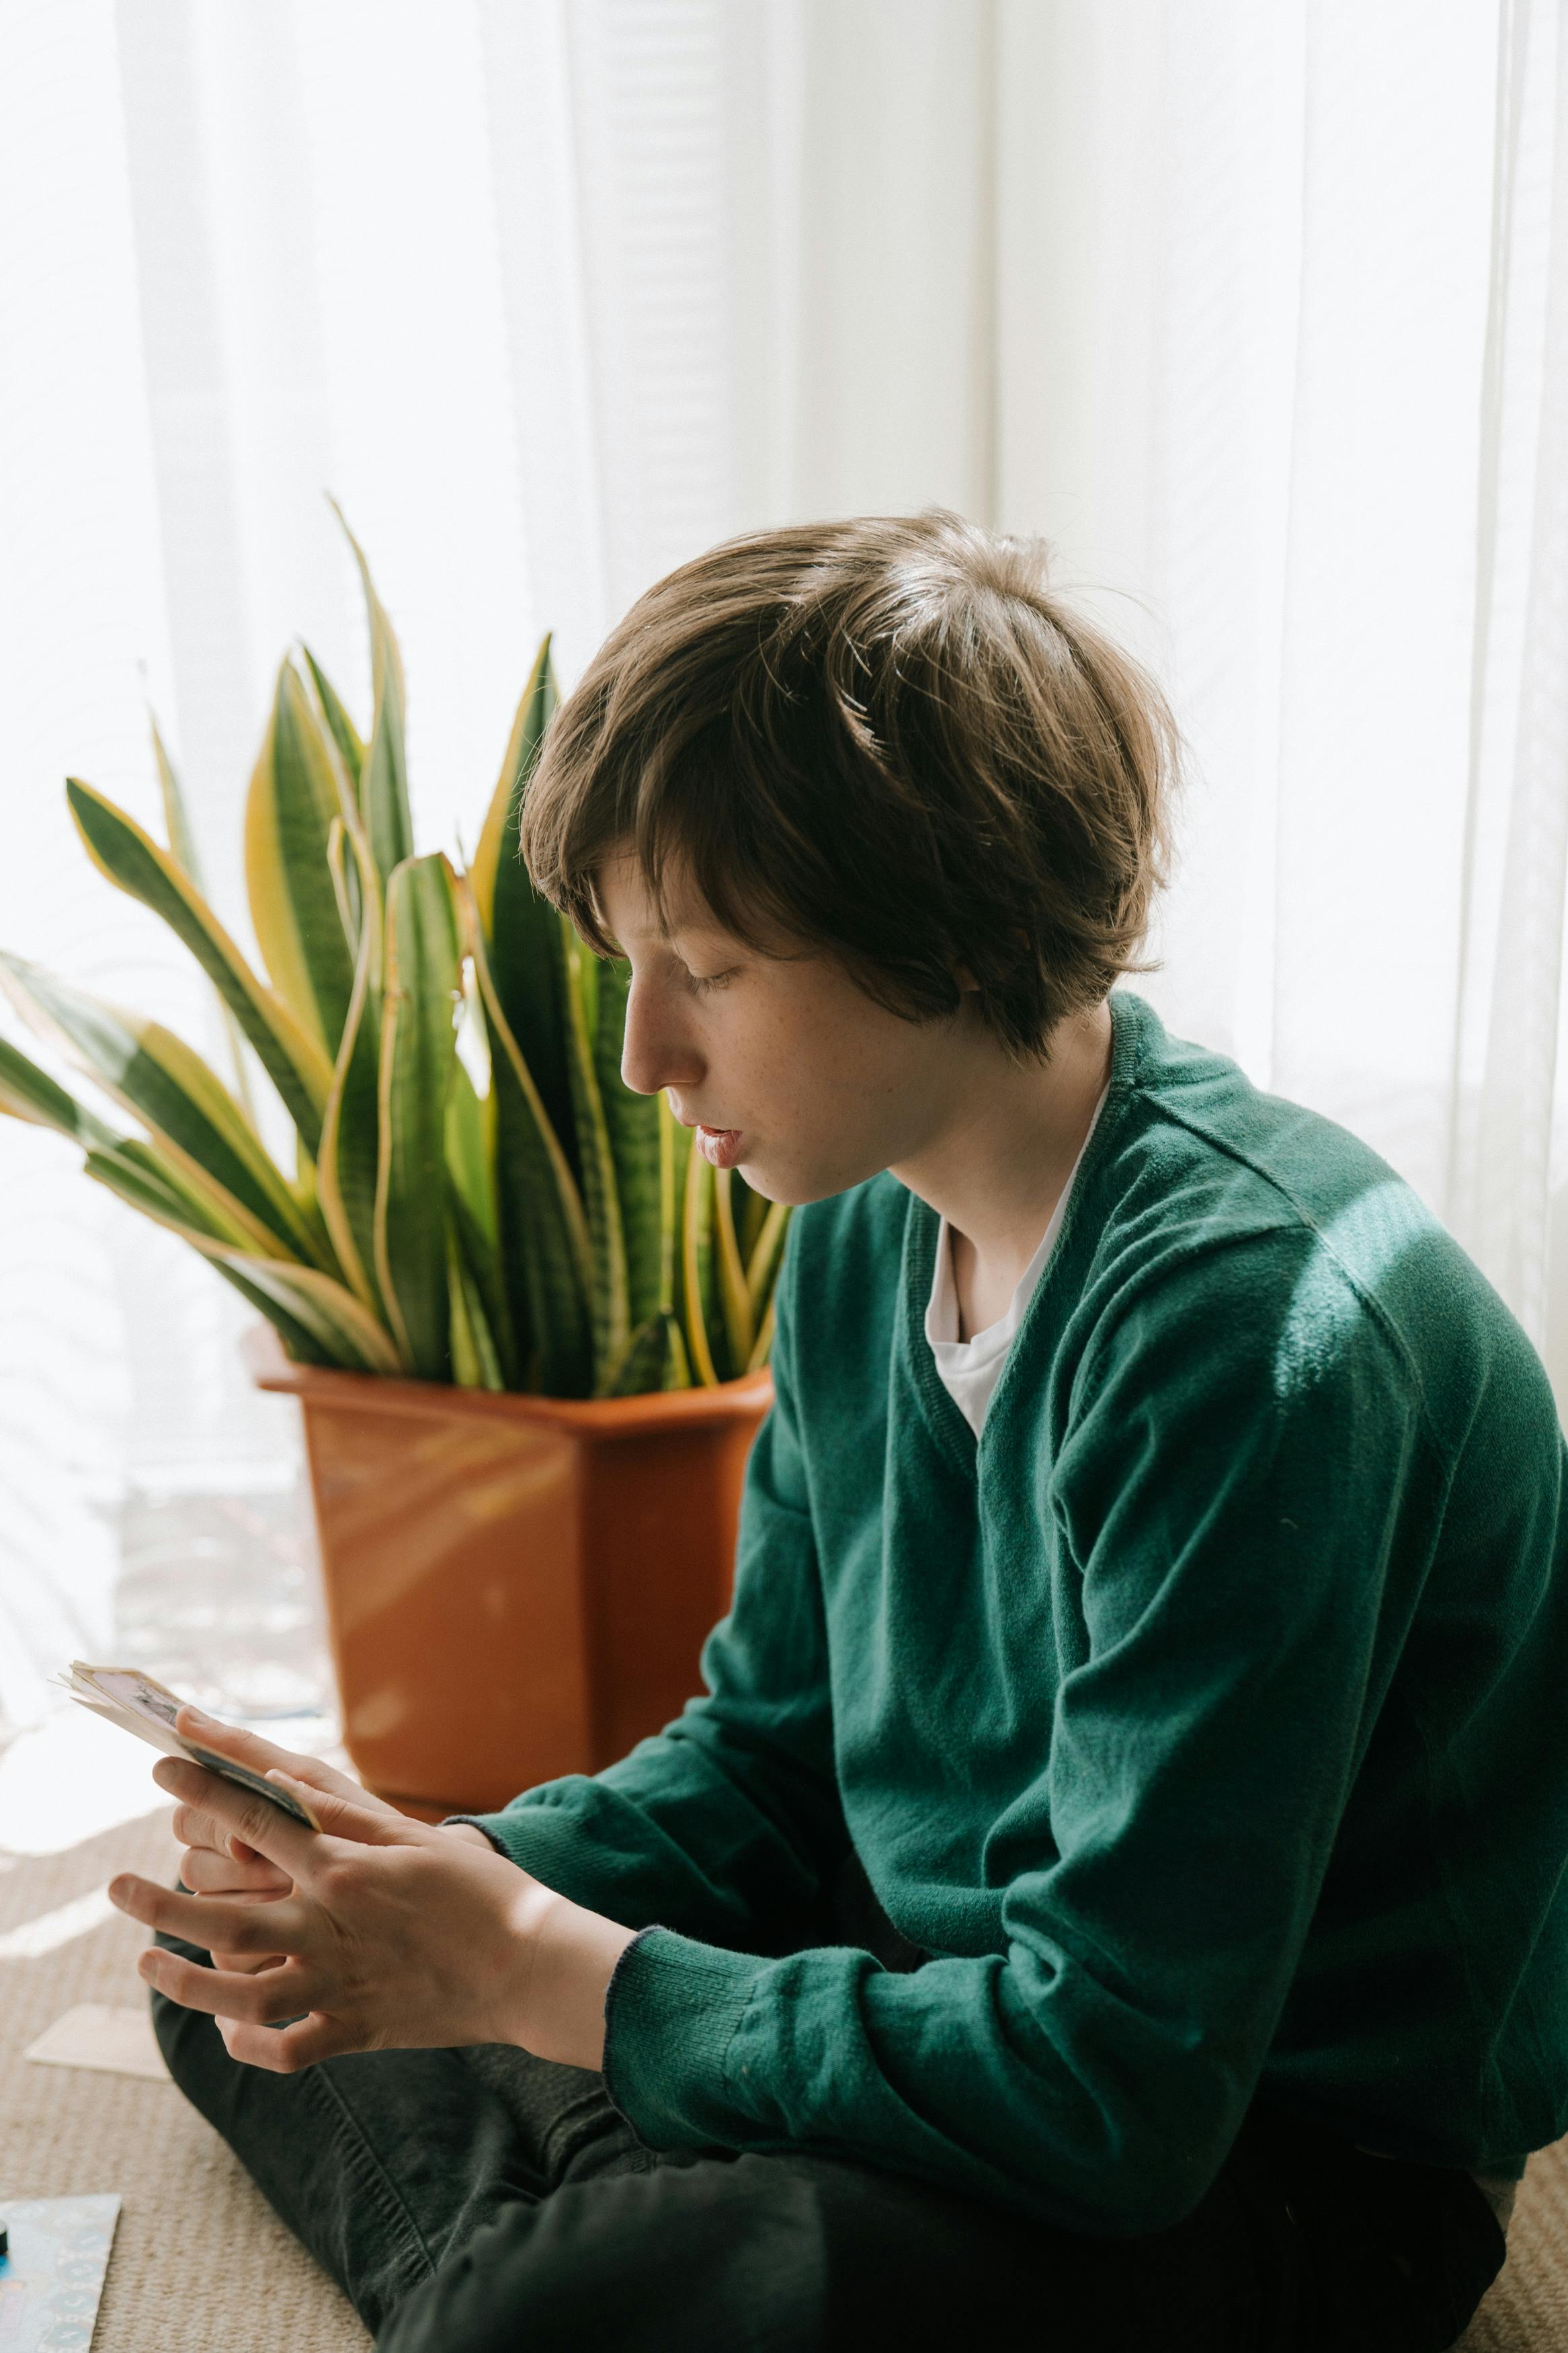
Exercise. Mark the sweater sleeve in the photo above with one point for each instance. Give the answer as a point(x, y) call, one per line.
point(1226, 1490)
point(726, 1823)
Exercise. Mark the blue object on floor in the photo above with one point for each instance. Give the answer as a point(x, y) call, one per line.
point(52, 2277)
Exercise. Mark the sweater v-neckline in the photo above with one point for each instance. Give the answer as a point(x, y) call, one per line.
point(943, 1415)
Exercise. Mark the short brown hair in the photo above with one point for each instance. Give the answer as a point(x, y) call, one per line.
point(887, 738)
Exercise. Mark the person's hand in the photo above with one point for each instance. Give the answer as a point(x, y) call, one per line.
point(216, 1861)
point(395, 1935)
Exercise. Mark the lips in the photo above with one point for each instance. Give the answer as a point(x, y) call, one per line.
point(722, 1145)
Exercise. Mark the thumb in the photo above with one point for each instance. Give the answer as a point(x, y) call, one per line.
point(367, 1820)
point(249, 1749)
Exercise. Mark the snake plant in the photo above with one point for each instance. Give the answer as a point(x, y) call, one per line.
point(477, 1196)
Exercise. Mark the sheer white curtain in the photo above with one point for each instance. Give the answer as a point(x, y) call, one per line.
point(1258, 314)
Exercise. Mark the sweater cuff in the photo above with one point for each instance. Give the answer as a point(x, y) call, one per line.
point(671, 2014)
point(480, 1822)
point(547, 1841)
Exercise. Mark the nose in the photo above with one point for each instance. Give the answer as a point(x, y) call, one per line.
point(656, 1051)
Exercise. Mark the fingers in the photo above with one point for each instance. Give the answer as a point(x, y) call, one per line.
point(207, 1873)
point(261, 1998)
point(245, 1747)
point(194, 1828)
point(368, 1821)
point(248, 1964)
point(197, 1829)
point(207, 1920)
point(235, 1812)
point(285, 2053)
point(248, 2005)
point(263, 1756)
point(239, 1813)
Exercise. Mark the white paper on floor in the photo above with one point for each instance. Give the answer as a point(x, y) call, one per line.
point(52, 2280)
point(121, 2041)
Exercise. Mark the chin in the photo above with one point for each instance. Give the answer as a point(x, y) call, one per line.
point(757, 1182)
point(771, 1188)
point(796, 1190)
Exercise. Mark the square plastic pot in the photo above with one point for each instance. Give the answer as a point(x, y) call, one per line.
point(515, 1587)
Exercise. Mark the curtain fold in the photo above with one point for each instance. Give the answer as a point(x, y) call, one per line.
point(1260, 316)
point(1505, 1100)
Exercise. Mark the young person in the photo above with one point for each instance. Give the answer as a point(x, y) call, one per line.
point(1111, 1888)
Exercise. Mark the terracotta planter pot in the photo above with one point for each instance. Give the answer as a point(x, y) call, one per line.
point(516, 1587)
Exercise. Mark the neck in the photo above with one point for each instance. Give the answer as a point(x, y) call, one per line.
point(996, 1166)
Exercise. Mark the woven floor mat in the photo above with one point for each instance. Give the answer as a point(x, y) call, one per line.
point(199, 2254)
point(1527, 2308)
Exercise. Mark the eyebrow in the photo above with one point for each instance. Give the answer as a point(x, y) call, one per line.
point(669, 934)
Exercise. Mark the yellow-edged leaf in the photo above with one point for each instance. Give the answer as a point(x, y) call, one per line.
point(132, 860)
point(350, 1156)
point(332, 1315)
point(384, 772)
point(289, 810)
point(183, 850)
point(696, 1242)
point(421, 996)
point(601, 1198)
point(762, 1265)
point(345, 733)
point(158, 1077)
point(525, 939)
point(763, 1342)
point(545, 1250)
point(26, 1093)
point(739, 1329)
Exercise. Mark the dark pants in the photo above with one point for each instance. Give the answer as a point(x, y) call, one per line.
point(480, 2199)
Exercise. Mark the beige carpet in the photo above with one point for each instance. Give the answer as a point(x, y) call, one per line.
point(199, 2254)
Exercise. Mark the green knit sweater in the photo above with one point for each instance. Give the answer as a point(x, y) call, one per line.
point(1204, 1721)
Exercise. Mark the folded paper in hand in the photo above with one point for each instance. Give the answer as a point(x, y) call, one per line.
point(139, 1702)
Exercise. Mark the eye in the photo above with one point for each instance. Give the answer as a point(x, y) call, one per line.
point(713, 980)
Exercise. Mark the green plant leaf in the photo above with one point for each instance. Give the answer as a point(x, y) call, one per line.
point(734, 1304)
point(155, 1075)
point(654, 1358)
point(26, 1093)
point(333, 1316)
point(345, 733)
point(421, 994)
point(544, 1250)
point(149, 1181)
point(632, 1121)
point(292, 804)
point(300, 1345)
point(384, 772)
point(751, 1209)
point(470, 1164)
point(762, 1344)
point(291, 1058)
point(601, 1200)
point(470, 1172)
point(696, 1270)
point(177, 820)
point(476, 1364)
point(762, 1265)
point(356, 885)
point(183, 850)
point(483, 1280)
point(130, 1170)
point(524, 935)
point(350, 1157)
point(674, 1154)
